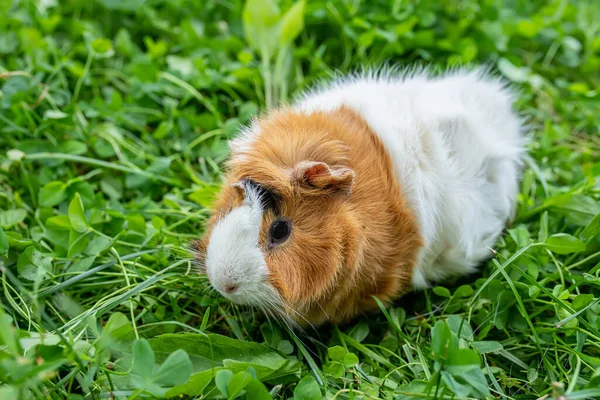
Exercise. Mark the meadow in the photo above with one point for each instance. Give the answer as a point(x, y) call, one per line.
point(114, 121)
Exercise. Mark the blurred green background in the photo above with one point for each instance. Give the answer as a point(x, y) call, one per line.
point(114, 121)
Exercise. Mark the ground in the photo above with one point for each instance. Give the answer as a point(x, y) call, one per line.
point(114, 117)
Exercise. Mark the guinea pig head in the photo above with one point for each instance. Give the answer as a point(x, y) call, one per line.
point(281, 234)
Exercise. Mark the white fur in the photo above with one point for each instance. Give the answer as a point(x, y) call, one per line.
point(233, 256)
point(243, 142)
point(456, 145)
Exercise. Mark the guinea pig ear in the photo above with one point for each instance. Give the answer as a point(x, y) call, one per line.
point(319, 177)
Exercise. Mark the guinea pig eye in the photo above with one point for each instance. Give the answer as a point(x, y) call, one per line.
point(280, 230)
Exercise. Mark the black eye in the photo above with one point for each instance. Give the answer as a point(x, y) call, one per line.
point(280, 230)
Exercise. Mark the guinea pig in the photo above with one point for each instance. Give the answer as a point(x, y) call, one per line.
point(372, 185)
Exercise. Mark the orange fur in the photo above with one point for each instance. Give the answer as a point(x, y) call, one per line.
point(353, 235)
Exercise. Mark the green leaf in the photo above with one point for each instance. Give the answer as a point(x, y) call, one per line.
point(163, 129)
point(336, 353)
point(208, 351)
point(463, 291)
point(466, 381)
point(50, 353)
point(123, 43)
point(143, 358)
point(543, 233)
point(8, 334)
point(16, 241)
point(13, 217)
point(350, 360)
point(255, 390)
point(104, 150)
point(98, 245)
point(205, 319)
point(3, 242)
point(175, 370)
point(390, 342)
point(427, 19)
point(265, 12)
point(461, 357)
point(82, 265)
point(285, 347)
point(211, 353)
point(572, 44)
point(117, 332)
point(136, 181)
point(532, 375)
point(9, 392)
point(222, 380)
point(160, 165)
point(32, 263)
point(398, 316)
point(238, 383)
point(563, 243)
point(292, 23)
point(52, 193)
point(528, 28)
point(512, 72)
point(520, 235)
point(595, 381)
point(77, 215)
point(460, 327)
point(440, 339)
point(102, 47)
point(196, 384)
point(334, 369)
point(261, 28)
point(205, 196)
point(359, 332)
point(307, 389)
point(469, 379)
point(252, 372)
point(459, 388)
point(592, 229)
point(73, 147)
point(60, 223)
point(442, 291)
point(487, 346)
point(77, 243)
point(137, 223)
point(579, 209)
point(582, 300)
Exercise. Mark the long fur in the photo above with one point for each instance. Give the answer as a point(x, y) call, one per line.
point(420, 177)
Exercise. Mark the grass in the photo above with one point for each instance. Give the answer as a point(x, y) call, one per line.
point(114, 117)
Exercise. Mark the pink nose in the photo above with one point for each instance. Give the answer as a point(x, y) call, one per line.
point(231, 288)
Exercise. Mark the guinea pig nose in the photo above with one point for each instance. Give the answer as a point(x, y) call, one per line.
point(231, 288)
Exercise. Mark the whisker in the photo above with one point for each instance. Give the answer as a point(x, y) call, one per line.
point(301, 317)
point(322, 309)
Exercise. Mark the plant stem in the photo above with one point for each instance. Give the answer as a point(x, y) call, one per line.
point(280, 75)
point(86, 70)
point(100, 163)
point(264, 54)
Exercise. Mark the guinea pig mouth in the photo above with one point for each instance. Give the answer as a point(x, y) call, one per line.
point(249, 299)
point(249, 293)
point(235, 297)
